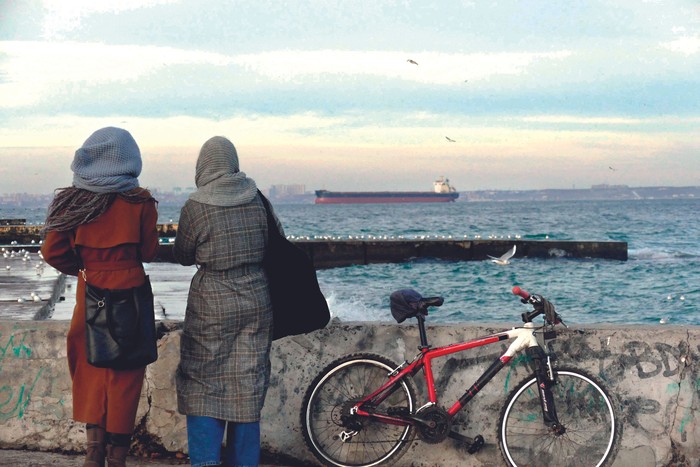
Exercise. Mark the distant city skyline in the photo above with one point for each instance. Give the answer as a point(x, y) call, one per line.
point(282, 190)
point(359, 95)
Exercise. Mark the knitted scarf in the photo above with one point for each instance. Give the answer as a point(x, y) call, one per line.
point(106, 166)
point(108, 162)
point(218, 178)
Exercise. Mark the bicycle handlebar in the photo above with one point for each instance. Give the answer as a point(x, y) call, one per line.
point(541, 305)
point(522, 293)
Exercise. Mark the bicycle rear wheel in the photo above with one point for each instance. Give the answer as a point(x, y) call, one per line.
point(591, 435)
point(338, 438)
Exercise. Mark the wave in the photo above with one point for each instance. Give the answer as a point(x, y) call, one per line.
point(654, 254)
point(354, 309)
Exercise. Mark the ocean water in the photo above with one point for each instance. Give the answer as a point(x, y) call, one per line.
point(660, 280)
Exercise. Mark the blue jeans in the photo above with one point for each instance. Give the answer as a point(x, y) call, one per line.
point(204, 436)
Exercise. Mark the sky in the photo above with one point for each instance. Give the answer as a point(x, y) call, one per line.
point(358, 94)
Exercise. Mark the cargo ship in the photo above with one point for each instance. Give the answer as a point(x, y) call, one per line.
point(442, 193)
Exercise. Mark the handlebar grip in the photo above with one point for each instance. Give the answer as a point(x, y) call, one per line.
point(521, 293)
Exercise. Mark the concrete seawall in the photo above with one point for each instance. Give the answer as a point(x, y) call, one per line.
point(330, 253)
point(340, 253)
point(653, 371)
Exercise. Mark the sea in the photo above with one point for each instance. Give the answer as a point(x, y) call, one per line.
point(659, 283)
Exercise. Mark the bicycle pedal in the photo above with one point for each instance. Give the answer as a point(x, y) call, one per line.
point(477, 443)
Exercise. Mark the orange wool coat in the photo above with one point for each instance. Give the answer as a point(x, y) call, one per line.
point(112, 249)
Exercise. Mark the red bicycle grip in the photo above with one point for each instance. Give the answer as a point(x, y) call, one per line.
point(520, 292)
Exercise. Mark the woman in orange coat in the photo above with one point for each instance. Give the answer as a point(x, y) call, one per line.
point(104, 224)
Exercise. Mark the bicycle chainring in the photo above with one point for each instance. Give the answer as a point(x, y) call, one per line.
point(440, 418)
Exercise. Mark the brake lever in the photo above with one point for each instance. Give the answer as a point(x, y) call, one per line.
point(540, 305)
point(547, 307)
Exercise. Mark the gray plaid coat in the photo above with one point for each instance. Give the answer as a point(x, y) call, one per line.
point(224, 367)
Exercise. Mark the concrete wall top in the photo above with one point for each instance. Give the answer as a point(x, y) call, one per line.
point(653, 371)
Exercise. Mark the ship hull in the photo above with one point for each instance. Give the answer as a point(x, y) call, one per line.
point(335, 197)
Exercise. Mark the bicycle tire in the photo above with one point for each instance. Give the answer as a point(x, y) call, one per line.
point(336, 386)
point(584, 407)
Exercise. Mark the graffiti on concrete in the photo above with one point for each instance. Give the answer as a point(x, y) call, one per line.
point(616, 366)
point(644, 360)
point(15, 396)
point(14, 400)
point(17, 349)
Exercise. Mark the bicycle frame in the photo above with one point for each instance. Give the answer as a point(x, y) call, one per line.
point(524, 339)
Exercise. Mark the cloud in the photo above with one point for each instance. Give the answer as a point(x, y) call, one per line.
point(611, 121)
point(32, 68)
point(686, 45)
point(67, 15)
point(433, 68)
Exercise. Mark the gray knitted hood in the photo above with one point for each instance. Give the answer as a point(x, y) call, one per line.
point(218, 178)
point(109, 161)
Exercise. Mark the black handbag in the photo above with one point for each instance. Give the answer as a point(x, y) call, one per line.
point(120, 327)
point(298, 305)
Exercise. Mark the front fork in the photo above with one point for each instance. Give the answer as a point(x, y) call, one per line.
point(546, 379)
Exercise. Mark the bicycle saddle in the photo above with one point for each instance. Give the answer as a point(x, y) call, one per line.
point(407, 303)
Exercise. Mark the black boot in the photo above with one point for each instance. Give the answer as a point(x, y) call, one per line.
point(117, 449)
point(95, 456)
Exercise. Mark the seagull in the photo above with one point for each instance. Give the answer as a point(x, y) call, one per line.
point(503, 260)
point(611, 168)
point(412, 61)
point(449, 139)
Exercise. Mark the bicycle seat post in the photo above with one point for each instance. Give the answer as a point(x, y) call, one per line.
point(421, 329)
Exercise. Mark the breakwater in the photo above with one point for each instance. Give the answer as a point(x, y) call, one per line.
point(652, 371)
point(13, 231)
point(327, 253)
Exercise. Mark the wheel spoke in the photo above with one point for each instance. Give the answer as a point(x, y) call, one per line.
point(590, 435)
point(326, 414)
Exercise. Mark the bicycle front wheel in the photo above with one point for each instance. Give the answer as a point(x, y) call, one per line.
point(339, 438)
point(591, 429)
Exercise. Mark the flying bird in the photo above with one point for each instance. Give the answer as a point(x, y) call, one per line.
point(503, 260)
point(449, 139)
point(611, 168)
point(412, 61)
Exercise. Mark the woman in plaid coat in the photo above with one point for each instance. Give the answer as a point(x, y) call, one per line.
point(224, 366)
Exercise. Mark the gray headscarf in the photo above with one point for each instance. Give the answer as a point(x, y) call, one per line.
point(108, 162)
point(104, 168)
point(218, 178)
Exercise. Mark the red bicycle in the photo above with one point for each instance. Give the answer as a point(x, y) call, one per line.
point(361, 410)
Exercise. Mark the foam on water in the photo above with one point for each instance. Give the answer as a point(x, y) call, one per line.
point(655, 254)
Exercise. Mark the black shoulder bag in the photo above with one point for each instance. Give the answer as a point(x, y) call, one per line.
point(120, 329)
point(298, 305)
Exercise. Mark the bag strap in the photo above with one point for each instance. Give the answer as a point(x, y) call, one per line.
point(270, 218)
